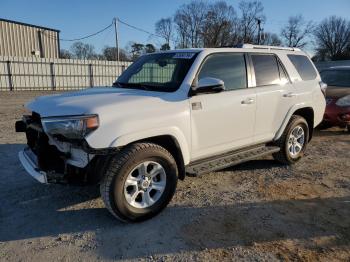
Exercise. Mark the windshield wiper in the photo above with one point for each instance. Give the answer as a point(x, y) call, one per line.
point(134, 85)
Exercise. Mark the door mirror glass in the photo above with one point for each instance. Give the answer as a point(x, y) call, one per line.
point(209, 85)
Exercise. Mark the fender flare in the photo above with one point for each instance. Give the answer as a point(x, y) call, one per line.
point(174, 132)
point(288, 116)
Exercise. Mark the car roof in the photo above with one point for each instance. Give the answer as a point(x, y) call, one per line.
point(239, 48)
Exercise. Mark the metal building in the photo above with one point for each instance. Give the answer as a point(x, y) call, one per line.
point(25, 40)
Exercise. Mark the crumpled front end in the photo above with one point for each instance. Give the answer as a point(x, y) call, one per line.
point(48, 159)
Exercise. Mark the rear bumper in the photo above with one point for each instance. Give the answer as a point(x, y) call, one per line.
point(29, 162)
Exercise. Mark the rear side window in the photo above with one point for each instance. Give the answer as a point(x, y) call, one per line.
point(304, 67)
point(228, 67)
point(266, 69)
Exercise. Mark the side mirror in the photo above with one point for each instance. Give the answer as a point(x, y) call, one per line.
point(209, 85)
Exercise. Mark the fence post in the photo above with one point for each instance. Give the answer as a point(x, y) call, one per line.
point(91, 75)
point(9, 75)
point(52, 73)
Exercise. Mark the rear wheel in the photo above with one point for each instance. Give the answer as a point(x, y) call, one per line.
point(140, 181)
point(293, 141)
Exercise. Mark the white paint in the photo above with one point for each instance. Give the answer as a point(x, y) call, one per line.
point(225, 121)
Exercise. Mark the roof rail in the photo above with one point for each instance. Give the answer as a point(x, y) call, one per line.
point(268, 47)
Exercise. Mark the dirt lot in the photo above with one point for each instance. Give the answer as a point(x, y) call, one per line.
point(257, 211)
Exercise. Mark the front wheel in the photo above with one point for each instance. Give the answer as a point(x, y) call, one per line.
point(140, 181)
point(293, 141)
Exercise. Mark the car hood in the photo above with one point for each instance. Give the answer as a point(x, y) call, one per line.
point(90, 101)
point(337, 91)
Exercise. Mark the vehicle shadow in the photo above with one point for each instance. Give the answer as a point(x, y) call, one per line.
point(255, 165)
point(31, 210)
point(330, 132)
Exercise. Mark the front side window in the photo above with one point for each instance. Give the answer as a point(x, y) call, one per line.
point(304, 67)
point(266, 69)
point(229, 67)
point(339, 78)
point(158, 72)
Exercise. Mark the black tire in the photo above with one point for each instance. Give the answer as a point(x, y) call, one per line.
point(120, 166)
point(284, 156)
point(348, 127)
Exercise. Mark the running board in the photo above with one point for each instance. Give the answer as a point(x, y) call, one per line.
point(229, 159)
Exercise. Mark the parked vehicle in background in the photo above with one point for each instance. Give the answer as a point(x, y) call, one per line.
point(337, 97)
point(172, 113)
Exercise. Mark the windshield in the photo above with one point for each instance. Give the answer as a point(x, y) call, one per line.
point(158, 72)
point(336, 77)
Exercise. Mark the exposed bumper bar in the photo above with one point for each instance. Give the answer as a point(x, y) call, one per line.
point(31, 167)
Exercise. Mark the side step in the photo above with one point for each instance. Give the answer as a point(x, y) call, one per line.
point(229, 159)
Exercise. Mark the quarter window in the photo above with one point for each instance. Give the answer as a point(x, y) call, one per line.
point(228, 67)
point(266, 69)
point(304, 67)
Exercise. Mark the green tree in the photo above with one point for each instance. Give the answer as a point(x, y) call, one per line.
point(136, 50)
point(165, 47)
point(110, 53)
point(149, 48)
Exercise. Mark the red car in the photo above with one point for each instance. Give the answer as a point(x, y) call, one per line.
point(337, 96)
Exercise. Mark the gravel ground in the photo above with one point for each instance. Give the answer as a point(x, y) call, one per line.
point(257, 211)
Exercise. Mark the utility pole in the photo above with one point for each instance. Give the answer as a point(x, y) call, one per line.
point(259, 30)
point(115, 20)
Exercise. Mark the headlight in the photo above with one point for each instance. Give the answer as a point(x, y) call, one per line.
point(344, 101)
point(75, 127)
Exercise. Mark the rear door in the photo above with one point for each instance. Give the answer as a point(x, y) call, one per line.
point(275, 95)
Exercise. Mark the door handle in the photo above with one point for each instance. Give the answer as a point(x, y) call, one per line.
point(290, 94)
point(248, 101)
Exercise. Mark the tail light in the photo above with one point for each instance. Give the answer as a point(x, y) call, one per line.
point(323, 87)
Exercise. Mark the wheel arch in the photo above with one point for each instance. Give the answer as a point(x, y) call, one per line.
point(171, 140)
point(308, 114)
point(302, 110)
point(171, 144)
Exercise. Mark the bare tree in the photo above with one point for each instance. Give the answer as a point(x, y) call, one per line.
point(181, 22)
point(65, 54)
point(219, 26)
point(332, 37)
point(80, 50)
point(250, 12)
point(164, 28)
point(271, 39)
point(297, 31)
point(189, 19)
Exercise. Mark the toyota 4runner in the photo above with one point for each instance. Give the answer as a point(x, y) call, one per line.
point(174, 113)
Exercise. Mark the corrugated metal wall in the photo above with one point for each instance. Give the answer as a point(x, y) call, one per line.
point(18, 39)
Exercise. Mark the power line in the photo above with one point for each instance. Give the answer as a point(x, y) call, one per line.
point(80, 38)
point(139, 29)
point(84, 37)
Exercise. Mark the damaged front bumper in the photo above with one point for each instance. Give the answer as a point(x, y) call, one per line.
point(52, 160)
point(29, 162)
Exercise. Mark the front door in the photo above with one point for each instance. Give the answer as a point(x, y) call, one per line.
point(223, 121)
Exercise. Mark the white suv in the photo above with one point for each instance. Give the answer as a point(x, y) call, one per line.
point(173, 113)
